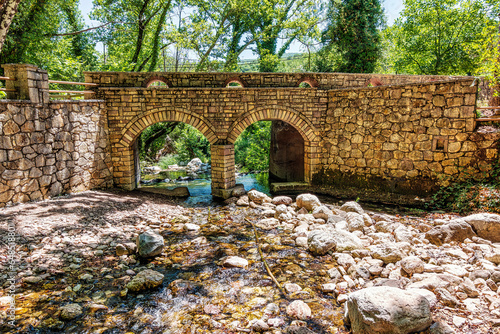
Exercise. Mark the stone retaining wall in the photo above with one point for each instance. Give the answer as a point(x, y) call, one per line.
point(52, 149)
point(405, 139)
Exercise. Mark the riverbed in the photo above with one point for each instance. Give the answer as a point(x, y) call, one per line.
point(66, 252)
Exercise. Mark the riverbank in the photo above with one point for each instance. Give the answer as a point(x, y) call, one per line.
point(69, 253)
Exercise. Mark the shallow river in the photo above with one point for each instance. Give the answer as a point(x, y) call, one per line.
point(200, 188)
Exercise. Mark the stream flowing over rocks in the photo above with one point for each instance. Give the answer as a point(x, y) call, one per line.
point(133, 262)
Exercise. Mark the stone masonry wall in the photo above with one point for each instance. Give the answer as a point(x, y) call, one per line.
point(409, 134)
point(255, 80)
point(221, 114)
point(405, 139)
point(47, 150)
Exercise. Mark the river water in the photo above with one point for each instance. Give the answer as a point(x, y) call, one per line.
point(200, 188)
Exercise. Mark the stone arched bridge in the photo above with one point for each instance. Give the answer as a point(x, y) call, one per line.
point(395, 133)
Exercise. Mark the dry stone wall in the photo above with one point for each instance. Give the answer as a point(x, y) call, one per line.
point(406, 139)
point(47, 150)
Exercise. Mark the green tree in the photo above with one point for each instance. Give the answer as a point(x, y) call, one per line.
point(281, 20)
point(176, 138)
point(8, 9)
point(440, 36)
point(218, 32)
point(190, 143)
point(352, 37)
point(252, 147)
point(221, 30)
point(42, 34)
point(135, 30)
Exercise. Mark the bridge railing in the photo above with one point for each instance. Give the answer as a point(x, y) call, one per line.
point(59, 93)
point(3, 89)
point(28, 82)
point(493, 118)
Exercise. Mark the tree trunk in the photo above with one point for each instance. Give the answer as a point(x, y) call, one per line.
point(156, 42)
point(8, 8)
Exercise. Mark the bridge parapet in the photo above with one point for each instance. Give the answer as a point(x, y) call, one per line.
point(256, 80)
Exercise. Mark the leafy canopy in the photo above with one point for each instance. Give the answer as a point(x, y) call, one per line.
point(440, 36)
point(353, 36)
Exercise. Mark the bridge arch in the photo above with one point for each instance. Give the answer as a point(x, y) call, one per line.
point(124, 148)
point(292, 117)
point(303, 126)
point(139, 123)
point(149, 81)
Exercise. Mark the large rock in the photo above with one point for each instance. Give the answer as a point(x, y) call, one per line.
point(307, 201)
point(238, 190)
point(149, 244)
point(282, 200)
point(176, 192)
point(352, 207)
point(146, 279)
point(355, 221)
point(432, 281)
point(387, 252)
point(298, 309)
point(235, 261)
point(456, 230)
point(258, 197)
point(486, 225)
point(322, 212)
point(345, 241)
point(322, 240)
point(243, 201)
point(383, 309)
point(195, 164)
point(412, 265)
point(268, 223)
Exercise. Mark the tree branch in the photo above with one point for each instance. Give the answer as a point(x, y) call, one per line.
point(81, 31)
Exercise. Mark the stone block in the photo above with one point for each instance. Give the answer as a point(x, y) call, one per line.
point(439, 101)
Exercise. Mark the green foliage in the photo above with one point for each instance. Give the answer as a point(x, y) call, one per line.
point(178, 142)
point(190, 143)
point(219, 31)
point(285, 20)
point(469, 194)
point(136, 31)
point(441, 36)
point(353, 32)
point(252, 147)
point(155, 138)
point(33, 39)
point(169, 159)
